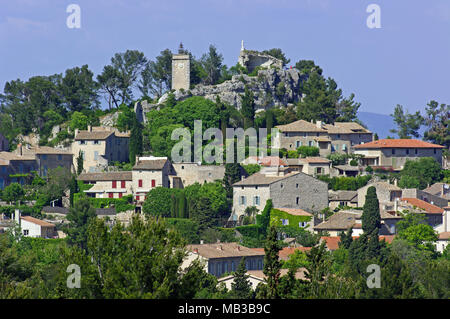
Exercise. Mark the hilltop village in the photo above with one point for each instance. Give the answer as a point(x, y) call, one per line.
point(334, 198)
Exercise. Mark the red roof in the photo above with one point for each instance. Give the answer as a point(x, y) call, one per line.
point(285, 252)
point(429, 208)
point(332, 243)
point(397, 143)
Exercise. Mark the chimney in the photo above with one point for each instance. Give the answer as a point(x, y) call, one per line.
point(395, 205)
point(89, 128)
point(196, 250)
point(238, 248)
point(19, 149)
point(201, 242)
point(395, 181)
point(76, 132)
point(319, 124)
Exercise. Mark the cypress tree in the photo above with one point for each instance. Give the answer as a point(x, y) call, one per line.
point(73, 187)
point(241, 288)
point(232, 175)
point(272, 265)
point(371, 220)
point(135, 146)
point(248, 107)
point(80, 163)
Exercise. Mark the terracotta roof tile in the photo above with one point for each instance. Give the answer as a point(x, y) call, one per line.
point(294, 211)
point(319, 160)
point(37, 221)
point(397, 143)
point(106, 176)
point(429, 208)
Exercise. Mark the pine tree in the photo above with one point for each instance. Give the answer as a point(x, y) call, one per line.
point(272, 265)
point(241, 288)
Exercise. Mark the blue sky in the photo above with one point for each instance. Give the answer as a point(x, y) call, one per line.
point(406, 61)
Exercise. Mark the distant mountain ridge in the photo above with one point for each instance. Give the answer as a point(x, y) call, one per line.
point(380, 123)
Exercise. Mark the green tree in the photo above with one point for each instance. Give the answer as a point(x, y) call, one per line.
point(13, 193)
point(277, 53)
point(420, 173)
point(438, 123)
point(212, 64)
point(125, 119)
point(79, 90)
point(80, 162)
point(414, 229)
point(157, 75)
point(79, 217)
point(232, 175)
point(248, 107)
point(78, 121)
point(272, 265)
point(408, 125)
point(73, 189)
point(241, 288)
point(109, 82)
point(135, 145)
point(371, 220)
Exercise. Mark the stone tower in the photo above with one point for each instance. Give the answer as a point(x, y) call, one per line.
point(181, 70)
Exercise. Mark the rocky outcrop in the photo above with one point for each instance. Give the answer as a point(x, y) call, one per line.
point(272, 87)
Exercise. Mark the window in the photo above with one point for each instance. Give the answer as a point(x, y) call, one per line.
point(285, 222)
point(302, 224)
point(182, 166)
point(256, 187)
point(138, 197)
point(339, 136)
point(140, 183)
point(317, 134)
point(153, 183)
point(2, 183)
point(122, 184)
point(59, 157)
point(114, 184)
point(45, 170)
point(26, 232)
point(82, 142)
point(242, 200)
point(305, 134)
point(297, 200)
point(296, 185)
point(298, 143)
point(120, 195)
point(344, 147)
point(434, 151)
point(336, 147)
point(407, 151)
point(96, 142)
point(44, 157)
point(256, 200)
point(318, 170)
point(95, 155)
point(415, 151)
point(311, 143)
point(393, 151)
point(111, 195)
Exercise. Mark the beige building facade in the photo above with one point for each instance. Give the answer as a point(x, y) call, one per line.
point(100, 146)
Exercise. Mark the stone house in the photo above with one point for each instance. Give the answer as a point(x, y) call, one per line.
point(442, 241)
point(441, 190)
point(286, 189)
point(221, 258)
point(148, 173)
point(33, 227)
point(425, 196)
point(100, 146)
point(14, 166)
point(393, 153)
point(340, 137)
point(315, 166)
point(386, 193)
point(342, 198)
point(48, 158)
point(108, 184)
point(345, 219)
point(4, 144)
point(436, 216)
point(189, 173)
